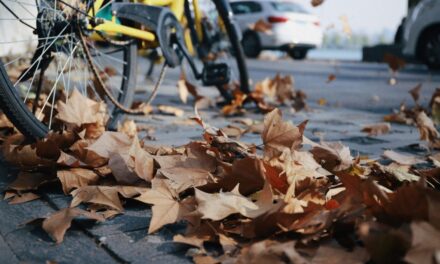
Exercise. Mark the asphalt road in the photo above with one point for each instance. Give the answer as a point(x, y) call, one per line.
point(360, 95)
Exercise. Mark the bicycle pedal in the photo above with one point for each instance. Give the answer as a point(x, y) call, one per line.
point(216, 74)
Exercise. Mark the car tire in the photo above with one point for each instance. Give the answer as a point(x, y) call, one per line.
point(430, 49)
point(251, 44)
point(298, 54)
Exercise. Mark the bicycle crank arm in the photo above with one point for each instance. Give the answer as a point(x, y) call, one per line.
point(212, 74)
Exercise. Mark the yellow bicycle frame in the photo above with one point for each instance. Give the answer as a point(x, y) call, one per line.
point(176, 6)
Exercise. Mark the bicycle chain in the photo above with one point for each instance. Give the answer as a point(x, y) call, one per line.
point(108, 93)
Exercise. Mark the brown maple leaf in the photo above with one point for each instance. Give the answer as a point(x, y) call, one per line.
point(167, 208)
point(57, 224)
point(279, 135)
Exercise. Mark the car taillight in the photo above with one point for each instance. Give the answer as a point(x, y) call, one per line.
point(277, 19)
point(317, 23)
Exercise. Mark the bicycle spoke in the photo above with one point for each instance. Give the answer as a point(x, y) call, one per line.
point(56, 82)
point(41, 56)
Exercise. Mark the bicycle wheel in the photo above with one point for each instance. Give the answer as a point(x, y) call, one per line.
point(221, 42)
point(42, 60)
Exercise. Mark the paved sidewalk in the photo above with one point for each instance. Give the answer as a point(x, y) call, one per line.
point(124, 238)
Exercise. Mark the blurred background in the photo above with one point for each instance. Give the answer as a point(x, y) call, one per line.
point(350, 30)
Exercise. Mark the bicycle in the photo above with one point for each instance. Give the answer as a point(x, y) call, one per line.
point(92, 46)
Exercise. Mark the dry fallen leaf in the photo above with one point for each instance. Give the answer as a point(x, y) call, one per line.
point(268, 251)
point(220, 205)
point(435, 106)
point(279, 88)
point(415, 93)
point(261, 26)
point(377, 129)
point(425, 246)
point(57, 224)
point(332, 156)
point(322, 101)
point(183, 90)
point(331, 78)
point(426, 128)
point(279, 135)
point(170, 110)
point(316, 3)
point(235, 107)
point(102, 195)
point(76, 177)
point(18, 198)
point(166, 208)
point(395, 63)
point(128, 127)
point(27, 181)
point(401, 159)
point(79, 110)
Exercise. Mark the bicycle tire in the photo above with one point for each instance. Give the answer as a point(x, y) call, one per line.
point(25, 121)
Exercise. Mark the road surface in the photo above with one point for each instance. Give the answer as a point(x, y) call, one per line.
point(360, 95)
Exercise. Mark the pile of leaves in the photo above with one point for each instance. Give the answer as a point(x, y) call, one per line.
point(267, 95)
point(287, 200)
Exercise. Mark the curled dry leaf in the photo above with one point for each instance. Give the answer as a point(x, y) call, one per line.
point(279, 135)
point(400, 172)
point(131, 164)
point(262, 26)
point(322, 101)
point(170, 110)
point(268, 251)
point(128, 127)
point(218, 206)
point(233, 131)
point(435, 106)
point(395, 63)
point(377, 129)
point(401, 158)
point(235, 108)
point(184, 178)
point(415, 92)
point(183, 90)
point(57, 224)
point(426, 128)
point(331, 78)
point(75, 178)
point(316, 3)
point(333, 156)
point(279, 88)
point(102, 195)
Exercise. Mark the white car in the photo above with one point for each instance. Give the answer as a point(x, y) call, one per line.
point(293, 29)
point(421, 37)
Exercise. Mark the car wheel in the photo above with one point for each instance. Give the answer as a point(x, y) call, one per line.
point(251, 45)
point(431, 49)
point(298, 54)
